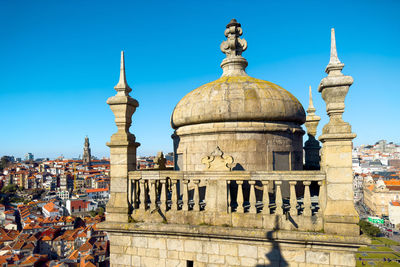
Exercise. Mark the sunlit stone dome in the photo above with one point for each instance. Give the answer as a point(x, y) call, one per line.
point(236, 96)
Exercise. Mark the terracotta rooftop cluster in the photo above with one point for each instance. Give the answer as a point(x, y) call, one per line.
point(79, 244)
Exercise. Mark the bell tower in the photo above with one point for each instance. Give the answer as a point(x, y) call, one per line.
point(86, 153)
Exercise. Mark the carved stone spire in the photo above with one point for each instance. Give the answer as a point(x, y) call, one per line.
point(122, 87)
point(311, 108)
point(334, 63)
point(123, 105)
point(234, 64)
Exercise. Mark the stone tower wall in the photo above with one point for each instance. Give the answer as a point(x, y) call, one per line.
point(163, 250)
point(251, 144)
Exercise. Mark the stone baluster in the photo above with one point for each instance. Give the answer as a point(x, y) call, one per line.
point(153, 194)
point(252, 197)
point(130, 194)
point(136, 193)
point(163, 195)
point(307, 199)
point(196, 197)
point(278, 198)
point(143, 198)
point(185, 196)
point(265, 209)
point(321, 197)
point(293, 198)
point(229, 196)
point(239, 198)
point(174, 197)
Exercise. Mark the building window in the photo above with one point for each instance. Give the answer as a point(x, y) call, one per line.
point(189, 263)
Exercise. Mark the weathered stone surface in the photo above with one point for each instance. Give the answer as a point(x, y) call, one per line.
point(230, 260)
point(317, 257)
point(140, 241)
point(121, 259)
point(216, 259)
point(193, 246)
point(247, 251)
point(228, 249)
point(245, 261)
point(294, 255)
point(175, 244)
point(159, 243)
point(211, 248)
point(342, 259)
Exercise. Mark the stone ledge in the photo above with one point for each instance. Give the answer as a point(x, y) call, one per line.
point(280, 236)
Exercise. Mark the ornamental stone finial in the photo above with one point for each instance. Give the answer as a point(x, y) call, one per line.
point(334, 89)
point(234, 46)
point(234, 64)
point(123, 106)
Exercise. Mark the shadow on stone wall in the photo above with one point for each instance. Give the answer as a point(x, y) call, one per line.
point(274, 257)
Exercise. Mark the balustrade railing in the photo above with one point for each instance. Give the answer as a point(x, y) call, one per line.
point(278, 192)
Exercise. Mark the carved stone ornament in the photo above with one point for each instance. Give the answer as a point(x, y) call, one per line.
point(234, 46)
point(217, 161)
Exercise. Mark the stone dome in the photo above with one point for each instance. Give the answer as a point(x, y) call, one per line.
point(238, 98)
point(256, 122)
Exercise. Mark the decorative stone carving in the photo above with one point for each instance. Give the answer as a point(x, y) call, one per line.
point(334, 89)
point(234, 64)
point(234, 46)
point(217, 161)
point(160, 161)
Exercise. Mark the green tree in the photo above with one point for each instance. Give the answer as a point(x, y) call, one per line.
point(4, 161)
point(369, 229)
point(11, 188)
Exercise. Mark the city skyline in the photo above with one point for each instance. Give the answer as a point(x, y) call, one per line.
point(60, 64)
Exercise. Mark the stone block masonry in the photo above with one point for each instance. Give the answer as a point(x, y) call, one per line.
point(160, 245)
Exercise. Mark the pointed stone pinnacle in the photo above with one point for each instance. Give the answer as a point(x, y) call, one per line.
point(122, 84)
point(311, 109)
point(334, 66)
point(310, 104)
point(334, 57)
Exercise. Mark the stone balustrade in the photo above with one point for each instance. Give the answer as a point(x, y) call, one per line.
point(235, 198)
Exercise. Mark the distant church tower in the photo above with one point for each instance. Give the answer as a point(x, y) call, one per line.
point(86, 153)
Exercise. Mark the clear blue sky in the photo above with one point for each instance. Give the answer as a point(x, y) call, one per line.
point(59, 62)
